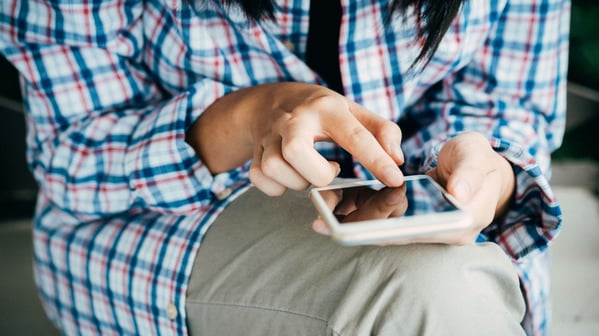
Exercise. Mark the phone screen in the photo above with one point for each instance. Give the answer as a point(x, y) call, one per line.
point(419, 196)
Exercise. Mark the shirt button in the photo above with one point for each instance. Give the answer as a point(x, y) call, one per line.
point(171, 311)
point(224, 194)
point(289, 45)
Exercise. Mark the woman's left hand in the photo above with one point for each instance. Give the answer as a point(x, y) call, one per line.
point(479, 178)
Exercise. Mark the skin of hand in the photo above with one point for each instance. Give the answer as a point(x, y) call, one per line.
point(277, 126)
point(479, 178)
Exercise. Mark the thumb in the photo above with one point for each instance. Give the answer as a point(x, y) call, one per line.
point(465, 181)
point(463, 165)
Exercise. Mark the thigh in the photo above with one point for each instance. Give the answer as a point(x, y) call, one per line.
point(261, 270)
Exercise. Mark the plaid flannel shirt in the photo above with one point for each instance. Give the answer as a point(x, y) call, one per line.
point(111, 87)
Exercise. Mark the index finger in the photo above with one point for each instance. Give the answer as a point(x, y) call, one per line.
point(354, 137)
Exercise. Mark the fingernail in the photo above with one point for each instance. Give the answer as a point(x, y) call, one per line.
point(393, 176)
point(336, 168)
point(398, 152)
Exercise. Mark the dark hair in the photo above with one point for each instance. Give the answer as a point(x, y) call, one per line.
point(434, 17)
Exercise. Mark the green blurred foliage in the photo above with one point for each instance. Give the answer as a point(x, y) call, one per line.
point(580, 142)
point(584, 43)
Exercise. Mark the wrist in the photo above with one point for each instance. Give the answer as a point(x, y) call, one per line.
point(507, 187)
point(219, 136)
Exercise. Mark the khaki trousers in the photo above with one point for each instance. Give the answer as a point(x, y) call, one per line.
point(261, 270)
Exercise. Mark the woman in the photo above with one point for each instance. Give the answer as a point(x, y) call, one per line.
point(151, 122)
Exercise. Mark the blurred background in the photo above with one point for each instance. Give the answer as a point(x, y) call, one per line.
point(575, 253)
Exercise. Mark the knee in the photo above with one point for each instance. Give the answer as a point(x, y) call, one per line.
point(450, 272)
point(438, 289)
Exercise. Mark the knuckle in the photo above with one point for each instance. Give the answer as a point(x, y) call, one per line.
point(321, 104)
point(271, 165)
point(255, 175)
point(297, 111)
point(358, 133)
point(295, 119)
point(359, 137)
point(328, 101)
point(292, 148)
point(390, 128)
point(264, 184)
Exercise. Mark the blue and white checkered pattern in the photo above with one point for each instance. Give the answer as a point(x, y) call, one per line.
point(111, 86)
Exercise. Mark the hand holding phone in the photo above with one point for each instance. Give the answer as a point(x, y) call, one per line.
point(368, 212)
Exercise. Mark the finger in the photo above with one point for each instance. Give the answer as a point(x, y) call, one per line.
point(482, 203)
point(464, 163)
point(274, 166)
point(350, 134)
point(392, 145)
point(260, 180)
point(387, 133)
point(466, 179)
point(464, 185)
point(298, 149)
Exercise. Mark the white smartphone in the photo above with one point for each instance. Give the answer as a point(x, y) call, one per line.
point(368, 212)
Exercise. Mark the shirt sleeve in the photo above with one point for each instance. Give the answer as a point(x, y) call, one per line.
point(104, 135)
point(513, 91)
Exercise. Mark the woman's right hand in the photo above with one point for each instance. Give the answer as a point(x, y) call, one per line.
point(277, 125)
